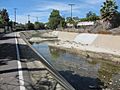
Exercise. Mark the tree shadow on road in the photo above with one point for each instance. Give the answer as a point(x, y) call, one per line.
point(7, 53)
point(7, 37)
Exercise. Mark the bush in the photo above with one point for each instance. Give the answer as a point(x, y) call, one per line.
point(29, 26)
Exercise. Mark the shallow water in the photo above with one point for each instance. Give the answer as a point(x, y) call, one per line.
point(82, 73)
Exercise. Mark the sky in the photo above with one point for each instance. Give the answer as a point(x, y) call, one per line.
point(43, 8)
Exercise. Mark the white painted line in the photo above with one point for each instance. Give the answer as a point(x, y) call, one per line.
point(21, 79)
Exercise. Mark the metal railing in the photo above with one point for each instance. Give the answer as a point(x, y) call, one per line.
point(49, 67)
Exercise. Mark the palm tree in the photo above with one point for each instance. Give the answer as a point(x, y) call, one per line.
point(109, 14)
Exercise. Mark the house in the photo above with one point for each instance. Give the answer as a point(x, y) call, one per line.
point(86, 23)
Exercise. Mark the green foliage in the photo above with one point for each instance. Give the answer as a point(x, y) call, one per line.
point(11, 23)
point(70, 20)
point(90, 16)
point(109, 13)
point(1, 20)
point(117, 19)
point(76, 19)
point(20, 27)
point(55, 20)
point(29, 26)
point(5, 17)
point(62, 23)
point(39, 25)
point(109, 9)
point(73, 20)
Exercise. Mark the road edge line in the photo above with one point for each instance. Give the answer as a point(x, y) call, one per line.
point(20, 73)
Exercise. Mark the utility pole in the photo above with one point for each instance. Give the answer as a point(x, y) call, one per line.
point(15, 17)
point(28, 18)
point(71, 5)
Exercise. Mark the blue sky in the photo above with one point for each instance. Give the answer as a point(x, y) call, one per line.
point(42, 8)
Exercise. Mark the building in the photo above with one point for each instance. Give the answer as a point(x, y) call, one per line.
point(87, 23)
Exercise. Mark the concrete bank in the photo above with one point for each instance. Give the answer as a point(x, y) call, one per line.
point(92, 45)
point(91, 54)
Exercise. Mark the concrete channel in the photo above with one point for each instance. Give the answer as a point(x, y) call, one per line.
point(42, 62)
point(68, 43)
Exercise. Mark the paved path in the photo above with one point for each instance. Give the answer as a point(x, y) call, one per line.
point(9, 72)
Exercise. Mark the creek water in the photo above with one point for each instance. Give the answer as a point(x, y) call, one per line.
point(82, 73)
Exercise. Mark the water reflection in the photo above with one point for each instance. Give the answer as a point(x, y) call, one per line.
point(82, 73)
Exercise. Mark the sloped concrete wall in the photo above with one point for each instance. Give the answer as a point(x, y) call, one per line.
point(65, 36)
point(85, 38)
point(108, 42)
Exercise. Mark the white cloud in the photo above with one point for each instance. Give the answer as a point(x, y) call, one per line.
point(54, 5)
point(43, 9)
point(20, 18)
point(94, 2)
point(64, 8)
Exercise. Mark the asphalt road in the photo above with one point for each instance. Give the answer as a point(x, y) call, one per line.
point(9, 71)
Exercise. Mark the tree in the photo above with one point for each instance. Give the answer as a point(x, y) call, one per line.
point(76, 18)
point(29, 26)
point(39, 25)
point(20, 26)
point(90, 13)
point(10, 24)
point(109, 14)
point(69, 20)
point(63, 23)
point(4, 16)
point(1, 20)
point(55, 20)
point(84, 19)
point(90, 16)
point(72, 21)
point(4, 19)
